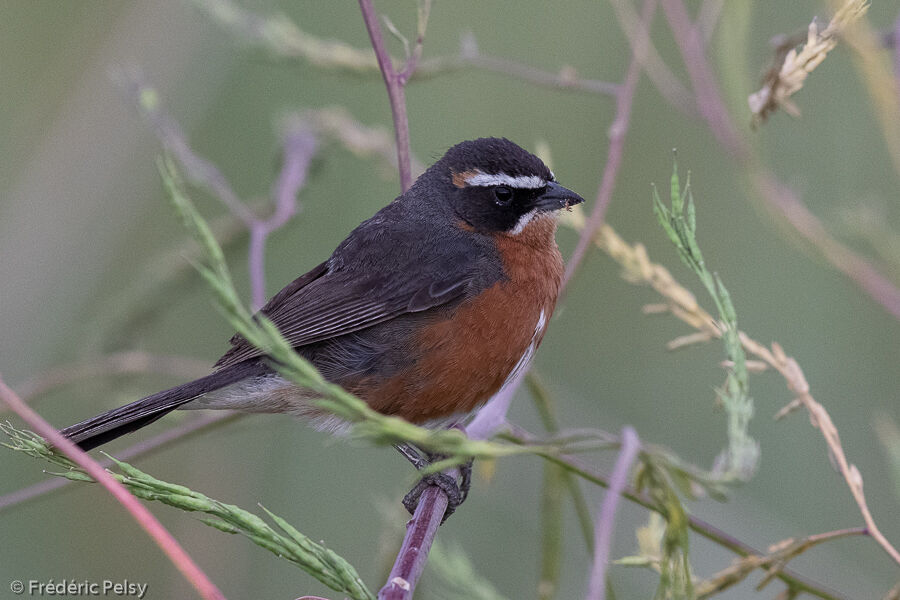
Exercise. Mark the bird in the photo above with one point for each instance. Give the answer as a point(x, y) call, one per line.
point(424, 311)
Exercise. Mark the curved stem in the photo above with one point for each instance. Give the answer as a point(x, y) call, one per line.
point(607, 521)
point(181, 559)
point(617, 132)
point(395, 90)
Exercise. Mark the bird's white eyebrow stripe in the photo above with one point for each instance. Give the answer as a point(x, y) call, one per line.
point(528, 182)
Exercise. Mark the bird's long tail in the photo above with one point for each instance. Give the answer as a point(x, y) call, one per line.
point(117, 422)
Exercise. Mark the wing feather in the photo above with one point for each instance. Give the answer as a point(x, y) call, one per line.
point(323, 304)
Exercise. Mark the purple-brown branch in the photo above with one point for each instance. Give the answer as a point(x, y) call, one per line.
point(712, 107)
point(170, 547)
point(413, 554)
point(299, 148)
point(429, 513)
point(606, 523)
point(697, 525)
point(423, 527)
point(199, 170)
point(617, 132)
point(395, 83)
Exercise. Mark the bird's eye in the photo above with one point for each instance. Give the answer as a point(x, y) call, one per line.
point(502, 195)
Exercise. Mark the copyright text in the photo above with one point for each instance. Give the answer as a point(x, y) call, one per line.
point(77, 588)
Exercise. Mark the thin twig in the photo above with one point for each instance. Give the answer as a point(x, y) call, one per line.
point(709, 102)
point(421, 25)
point(821, 420)
point(780, 554)
point(617, 132)
point(395, 89)
point(606, 522)
point(566, 78)
point(283, 38)
point(120, 363)
point(299, 147)
point(697, 525)
point(659, 74)
point(181, 559)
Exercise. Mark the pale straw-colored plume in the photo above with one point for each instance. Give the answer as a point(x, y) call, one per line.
point(781, 83)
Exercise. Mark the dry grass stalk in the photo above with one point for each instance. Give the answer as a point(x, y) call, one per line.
point(780, 84)
point(681, 303)
point(779, 555)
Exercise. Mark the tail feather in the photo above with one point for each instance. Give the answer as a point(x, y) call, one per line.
point(112, 424)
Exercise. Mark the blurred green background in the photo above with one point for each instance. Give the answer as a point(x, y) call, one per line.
point(83, 218)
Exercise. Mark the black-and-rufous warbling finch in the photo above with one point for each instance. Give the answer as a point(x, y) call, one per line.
point(424, 311)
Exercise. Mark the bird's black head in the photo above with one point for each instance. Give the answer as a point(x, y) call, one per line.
point(495, 186)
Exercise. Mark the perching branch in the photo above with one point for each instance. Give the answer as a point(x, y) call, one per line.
point(413, 554)
point(429, 513)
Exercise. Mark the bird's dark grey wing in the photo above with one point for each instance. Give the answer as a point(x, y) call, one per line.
point(323, 304)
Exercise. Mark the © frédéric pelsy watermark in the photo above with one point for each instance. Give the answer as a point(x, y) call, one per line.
point(76, 588)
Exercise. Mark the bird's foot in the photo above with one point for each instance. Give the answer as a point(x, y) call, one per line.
point(456, 488)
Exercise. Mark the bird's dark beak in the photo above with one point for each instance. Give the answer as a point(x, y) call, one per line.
point(556, 197)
